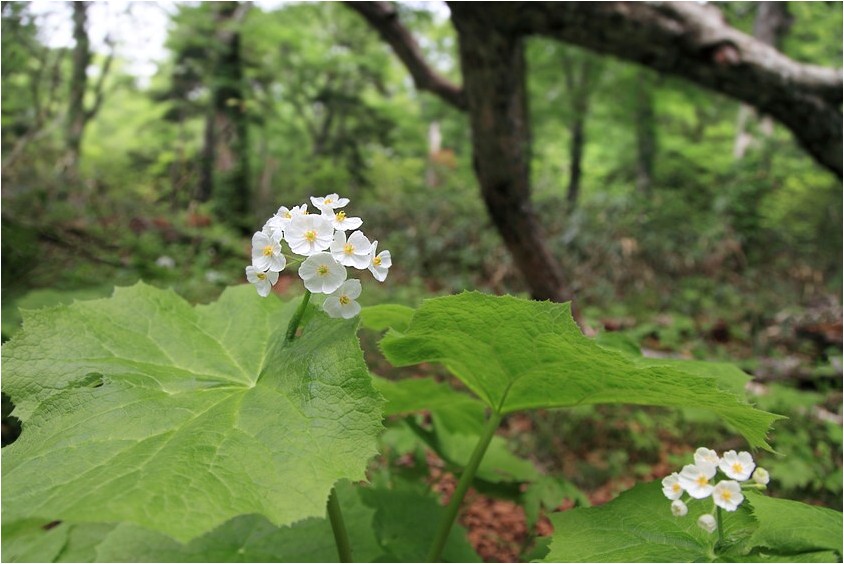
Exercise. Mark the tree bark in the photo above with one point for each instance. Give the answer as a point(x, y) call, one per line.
point(76, 114)
point(691, 40)
point(770, 26)
point(580, 74)
point(225, 166)
point(575, 160)
point(645, 120)
point(493, 66)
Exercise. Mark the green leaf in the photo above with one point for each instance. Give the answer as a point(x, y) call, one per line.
point(792, 528)
point(30, 541)
point(458, 421)
point(549, 492)
point(406, 520)
point(638, 526)
point(141, 408)
point(517, 354)
point(385, 316)
point(248, 538)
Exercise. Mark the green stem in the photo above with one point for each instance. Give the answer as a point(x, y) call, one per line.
point(297, 318)
point(720, 524)
point(341, 536)
point(462, 487)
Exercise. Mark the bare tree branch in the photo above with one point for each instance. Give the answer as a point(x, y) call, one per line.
point(98, 88)
point(383, 17)
point(691, 40)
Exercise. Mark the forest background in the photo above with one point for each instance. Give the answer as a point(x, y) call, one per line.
point(678, 217)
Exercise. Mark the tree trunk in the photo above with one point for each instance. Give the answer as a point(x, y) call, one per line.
point(581, 74)
point(493, 66)
point(227, 130)
point(76, 113)
point(645, 132)
point(575, 159)
point(771, 24)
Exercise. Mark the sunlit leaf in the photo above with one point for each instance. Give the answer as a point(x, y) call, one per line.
point(141, 408)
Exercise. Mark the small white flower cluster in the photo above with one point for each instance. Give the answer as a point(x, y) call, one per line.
point(322, 239)
point(694, 480)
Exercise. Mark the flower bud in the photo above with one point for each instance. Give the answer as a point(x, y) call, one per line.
point(678, 508)
point(707, 523)
point(761, 476)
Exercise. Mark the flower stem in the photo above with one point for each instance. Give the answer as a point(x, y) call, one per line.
point(297, 317)
point(719, 519)
point(462, 487)
point(341, 536)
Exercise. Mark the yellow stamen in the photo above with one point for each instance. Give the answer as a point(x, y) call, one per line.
point(340, 216)
point(322, 270)
point(348, 248)
point(268, 251)
point(376, 261)
point(261, 276)
point(344, 300)
point(310, 236)
point(738, 468)
point(702, 480)
point(288, 215)
point(726, 495)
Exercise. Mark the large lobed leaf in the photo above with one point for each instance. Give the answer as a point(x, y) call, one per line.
point(516, 354)
point(143, 409)
point(383, 525)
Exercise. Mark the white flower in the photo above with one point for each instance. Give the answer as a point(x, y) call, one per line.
point(671, 486)
point(331, 201)
point(704, 455)
point(354, 252)
point(321, 273)
point(165, 261)
point(296, 210)
point(308, 234)
point(727, 495)
point(707, 523)
point(695, 480)
point(341, 303)
point(266, 253)
point(678, 508)
point(761, 476)
point(263, 280)
point(340, 221)
point(276, 225)
point(737, 466)
point(379, 264)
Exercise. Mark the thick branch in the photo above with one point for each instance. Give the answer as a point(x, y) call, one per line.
point(691, 40)
point(383, 17)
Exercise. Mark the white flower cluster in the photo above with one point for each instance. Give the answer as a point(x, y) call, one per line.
point(694, 480)
point(322, 239)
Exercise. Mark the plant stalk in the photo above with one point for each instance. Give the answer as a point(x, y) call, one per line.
point(720, 524)
point(297, 318)
point(462, 487)
point(341, 536)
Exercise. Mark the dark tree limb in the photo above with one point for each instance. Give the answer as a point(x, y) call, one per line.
point(383, 17)
point(98, 88)
point(494, 78)
point(691, 40)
